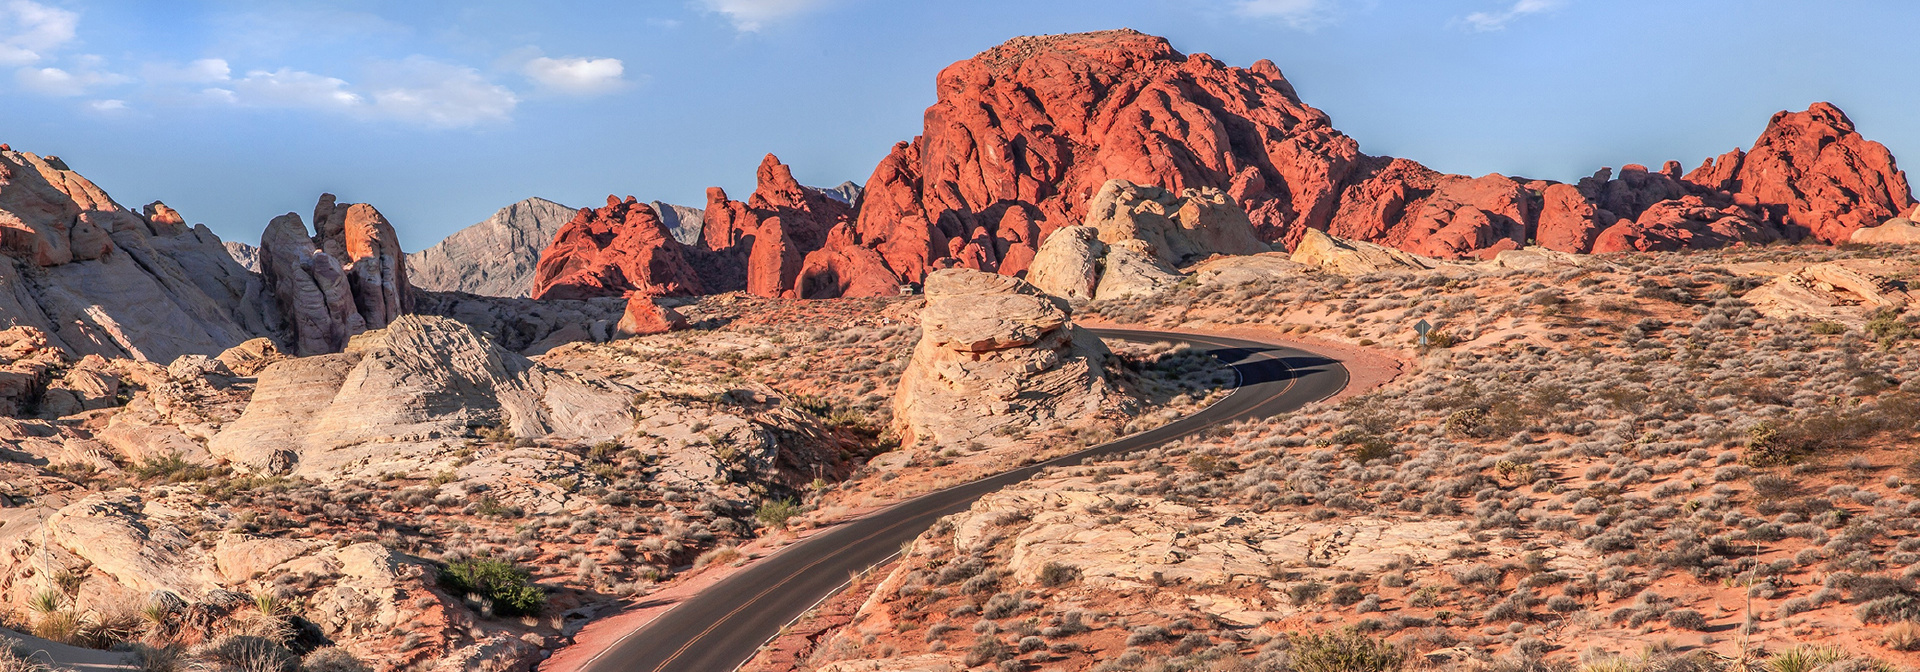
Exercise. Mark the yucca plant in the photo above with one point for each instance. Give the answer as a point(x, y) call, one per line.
point(1804, 658)
point(46, 601)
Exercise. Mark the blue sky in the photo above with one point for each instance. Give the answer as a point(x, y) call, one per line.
point(441, 112)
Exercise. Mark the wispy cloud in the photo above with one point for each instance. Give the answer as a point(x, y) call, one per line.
point(82, 75)
point(1491, 21)
point(416, 90)
point(287, 87)
point(28, 30)
point(422, 90)
point(755, 15)
point(1301, 14)
point(576, 76)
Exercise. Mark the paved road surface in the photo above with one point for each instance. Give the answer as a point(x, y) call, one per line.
point(720, 628)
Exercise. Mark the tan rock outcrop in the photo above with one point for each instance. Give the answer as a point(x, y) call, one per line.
point(1068, 263)
point(1355, 257)
point(1177, 228)
point(401, 396)
point(111, 282)
point(1899, 230)
point(1134, 238)
point(1827, 292)
point(996, 351)
point(1231, 271)
point(348, 277)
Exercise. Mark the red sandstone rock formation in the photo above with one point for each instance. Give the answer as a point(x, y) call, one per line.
point(1024, 134)
point(644, 317)
point(1812, 171)
point(612, 251)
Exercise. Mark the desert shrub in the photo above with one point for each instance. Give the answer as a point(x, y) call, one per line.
point(987, 649)
point(1686, 619)
point(1890, 609)
point(1001, 605)
point(171, 468)
point(249, 652)
point(776, 512)
point(720, 555)
point(1902, 636)
point(1054, 574)
point(1148, 634)
point(507, 589)
point(332, 659)
point(1347, 651)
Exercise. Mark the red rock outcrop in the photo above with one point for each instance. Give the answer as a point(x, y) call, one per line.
point(1813, 171)
point(616, 250)
point(764, 245)
point(1023, 135)
point(644, 317)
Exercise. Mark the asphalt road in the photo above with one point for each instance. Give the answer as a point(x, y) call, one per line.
point(718, 629)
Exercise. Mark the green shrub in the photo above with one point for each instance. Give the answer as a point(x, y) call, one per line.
point(1347, 651)
point(776, 512)
point(507, 587)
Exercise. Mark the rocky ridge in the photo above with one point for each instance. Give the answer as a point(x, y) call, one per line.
point(495, 257)
point(1024, 135)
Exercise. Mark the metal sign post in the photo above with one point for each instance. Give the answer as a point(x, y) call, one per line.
point(1422, 328)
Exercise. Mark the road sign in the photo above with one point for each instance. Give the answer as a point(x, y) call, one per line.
point(1422, 328)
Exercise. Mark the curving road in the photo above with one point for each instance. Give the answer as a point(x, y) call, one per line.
point(718, 629)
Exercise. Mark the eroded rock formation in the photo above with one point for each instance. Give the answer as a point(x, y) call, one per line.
point(995, 351)
point(1023, 136)
point(1135, 237)
point(99, 279)
point(347, 278)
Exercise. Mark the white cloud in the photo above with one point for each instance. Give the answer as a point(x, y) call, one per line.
point(28, 30)
point(108, 106)
point(416, 90)
point(1491, 21)
point(578, 76)
point(445, 95)
point(1302, 14)
point(753, 15)
point(203, 71)
point(287, 87)
point(82, 75)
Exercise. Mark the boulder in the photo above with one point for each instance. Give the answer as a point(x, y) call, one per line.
point(1353, 257)
point(995, 351)
point(1068, 263)
point(1895, 231)
point(645, 317)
